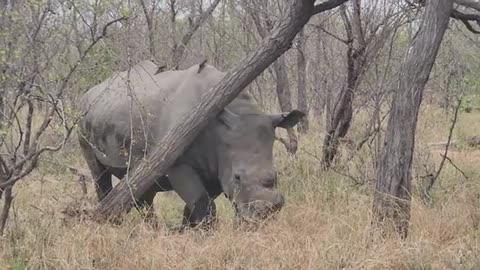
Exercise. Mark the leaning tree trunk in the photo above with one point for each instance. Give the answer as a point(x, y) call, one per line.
point(178, 139)
point(283, 85)
point(363, 46)
point(342, 115)
point(339, 125)
point(4, 22)
point(392, 199)
point(284, 95)
point(301, 82)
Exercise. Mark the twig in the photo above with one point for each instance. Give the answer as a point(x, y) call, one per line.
point(344, 41)
point(457, 168)
point(434, 178)
point(82, 178)
point(179, 47)
point(356, 182)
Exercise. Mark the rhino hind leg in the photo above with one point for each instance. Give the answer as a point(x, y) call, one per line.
point(146, 201)
point(101, 176)
point(145, 206)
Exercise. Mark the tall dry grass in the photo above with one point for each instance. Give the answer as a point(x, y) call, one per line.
point(325, 224)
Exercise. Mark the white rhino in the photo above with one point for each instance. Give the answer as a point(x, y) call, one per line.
point(126, 116)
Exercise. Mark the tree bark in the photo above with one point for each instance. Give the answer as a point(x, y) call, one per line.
point(301, 82)
point(392, 198)
point(178, 139)
point(283, 84)
point(363, 44)
point(5, 209)
point(150, 26)
point(320, 102)
point(342, 114)
point(173, 22)
point(284, 95)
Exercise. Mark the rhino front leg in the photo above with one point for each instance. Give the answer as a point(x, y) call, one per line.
point(189, 186)
point(188, 217)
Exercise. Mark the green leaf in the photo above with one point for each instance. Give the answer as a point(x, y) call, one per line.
point(125, 12)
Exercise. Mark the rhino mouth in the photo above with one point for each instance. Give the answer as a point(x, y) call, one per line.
point(255, 213)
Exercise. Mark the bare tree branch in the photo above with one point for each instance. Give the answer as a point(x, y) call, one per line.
point(466, 19)
point(23, 144)
point(469, 4)
point(457, 168)
point(327, 5)
point(319, 27)
point(179, 48)
point(150, 25)
point(434, 178)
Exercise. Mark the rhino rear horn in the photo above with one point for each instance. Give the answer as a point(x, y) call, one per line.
point(160, 69)
point(202, 65)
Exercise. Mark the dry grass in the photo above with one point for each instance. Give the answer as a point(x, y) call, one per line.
point(325, 224)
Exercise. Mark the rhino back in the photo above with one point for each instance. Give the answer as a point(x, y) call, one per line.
point(131, 111)
point(189, 93)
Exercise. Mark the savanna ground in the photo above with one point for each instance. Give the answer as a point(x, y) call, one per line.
point(324, 225)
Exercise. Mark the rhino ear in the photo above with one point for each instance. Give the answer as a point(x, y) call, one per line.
point(287, 120)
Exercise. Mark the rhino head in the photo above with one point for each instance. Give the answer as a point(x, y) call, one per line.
point(247, 173)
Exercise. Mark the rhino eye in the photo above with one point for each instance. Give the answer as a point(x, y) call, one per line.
point(236, 182)
point(237, 178)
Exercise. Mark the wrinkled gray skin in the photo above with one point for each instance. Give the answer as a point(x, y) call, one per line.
point(232, 155)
